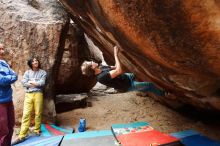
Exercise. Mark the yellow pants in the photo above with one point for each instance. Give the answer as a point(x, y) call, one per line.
point(34, 99)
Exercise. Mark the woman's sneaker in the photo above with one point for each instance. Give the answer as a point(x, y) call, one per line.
point(37, 133)
point(18, 140)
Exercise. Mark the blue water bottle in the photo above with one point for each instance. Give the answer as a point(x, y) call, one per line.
point(82, 125)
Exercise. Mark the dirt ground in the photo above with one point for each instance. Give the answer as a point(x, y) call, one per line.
point(128, 107)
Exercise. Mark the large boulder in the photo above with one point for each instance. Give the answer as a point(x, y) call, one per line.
point(175, 44)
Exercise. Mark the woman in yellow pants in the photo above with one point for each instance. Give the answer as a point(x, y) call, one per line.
point(33, 81)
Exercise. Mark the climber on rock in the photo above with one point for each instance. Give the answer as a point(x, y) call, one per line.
point(114, 76)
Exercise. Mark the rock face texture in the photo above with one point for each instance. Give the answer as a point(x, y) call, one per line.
point(175, 44)
point(75, 51)
point(41, 28)
point(77, 48)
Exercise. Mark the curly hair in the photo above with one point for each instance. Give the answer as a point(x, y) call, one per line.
point(30, 61)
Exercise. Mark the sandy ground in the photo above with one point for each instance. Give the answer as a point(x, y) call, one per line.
point(128, 107)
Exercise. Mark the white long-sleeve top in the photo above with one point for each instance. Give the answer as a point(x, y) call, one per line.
point(38, 76)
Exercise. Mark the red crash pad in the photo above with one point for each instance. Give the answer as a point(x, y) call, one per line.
point(147, 138)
